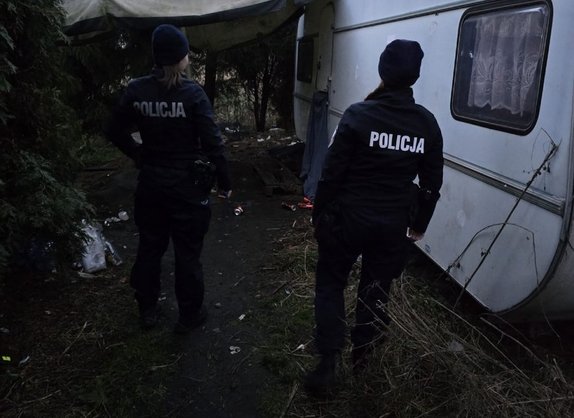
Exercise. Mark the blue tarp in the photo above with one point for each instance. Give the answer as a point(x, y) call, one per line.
point(316, 144)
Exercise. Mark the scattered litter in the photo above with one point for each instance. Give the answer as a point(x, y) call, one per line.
point(162, 298)
point(122, 216)
point(112, 255)
point(218, 305)
point(455, 347)
point(241, 317)
point(48, 312)
point(4, 331)
point(306, 203)
point(234, 349)
point(301, 347)
point(6, 359)
point(111, 220)
point(24, 361)
point(238, 211)
point(86, 275)
point(289, 206)
point(94, 256)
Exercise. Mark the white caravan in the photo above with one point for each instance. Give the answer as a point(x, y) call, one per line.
point(499, 77)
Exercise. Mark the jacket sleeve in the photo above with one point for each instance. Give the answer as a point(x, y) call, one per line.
point(118, 127)
point(335, 168)
point(210, 137)
point(430, 172)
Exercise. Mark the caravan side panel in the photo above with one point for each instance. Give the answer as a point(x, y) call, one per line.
point(501, 224)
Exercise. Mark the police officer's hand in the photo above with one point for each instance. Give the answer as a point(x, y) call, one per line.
point(414, 235)
point(224, 194)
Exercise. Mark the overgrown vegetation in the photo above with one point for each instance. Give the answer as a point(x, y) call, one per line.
point(39, 133)
point(81, 353)
point(436, 361)
point(55, 97)
point(258, 77)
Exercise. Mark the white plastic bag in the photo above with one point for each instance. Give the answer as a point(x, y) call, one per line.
point(94, 256)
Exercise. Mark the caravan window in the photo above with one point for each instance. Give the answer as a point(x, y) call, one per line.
point(305, 60)
point(499, 67)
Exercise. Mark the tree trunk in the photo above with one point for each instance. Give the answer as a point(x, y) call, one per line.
point(265, 91)
point(210, 75)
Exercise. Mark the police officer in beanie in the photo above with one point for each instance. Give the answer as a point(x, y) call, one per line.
point(364, 206)
point(180, 158)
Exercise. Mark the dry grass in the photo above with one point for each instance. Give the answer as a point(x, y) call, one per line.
point(436, 361)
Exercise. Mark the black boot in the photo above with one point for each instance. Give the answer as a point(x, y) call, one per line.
point(321, 380)
point(186, 324)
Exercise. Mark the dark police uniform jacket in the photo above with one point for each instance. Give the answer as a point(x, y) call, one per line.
point(378, 149)
point(176, 128)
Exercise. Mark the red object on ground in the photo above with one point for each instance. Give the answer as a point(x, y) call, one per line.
point(305, 204)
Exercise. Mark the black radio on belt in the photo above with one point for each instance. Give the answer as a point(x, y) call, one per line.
point(204, 174)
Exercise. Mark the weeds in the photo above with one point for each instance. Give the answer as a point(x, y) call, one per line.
point(435, 362)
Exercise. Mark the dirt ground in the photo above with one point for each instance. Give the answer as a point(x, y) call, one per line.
point(66, 337)
point(218, 369)
point(220, 373)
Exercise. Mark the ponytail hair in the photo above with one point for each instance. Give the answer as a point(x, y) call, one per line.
point(376, 92)
point(172, 76)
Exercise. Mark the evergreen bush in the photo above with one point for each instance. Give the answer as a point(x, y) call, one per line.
point(39, 135)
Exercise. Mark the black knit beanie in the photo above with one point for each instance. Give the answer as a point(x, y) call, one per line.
point(400, 63)
point(169, 45)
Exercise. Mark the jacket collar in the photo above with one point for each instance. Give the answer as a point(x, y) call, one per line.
point(394, 95)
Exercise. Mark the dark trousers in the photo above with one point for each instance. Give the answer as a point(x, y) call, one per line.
point(343, 235)
point(160, 215)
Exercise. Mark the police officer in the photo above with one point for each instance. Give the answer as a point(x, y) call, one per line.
point(180, 156)
point(364, 206)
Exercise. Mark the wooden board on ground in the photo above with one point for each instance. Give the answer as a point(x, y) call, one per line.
point(277, 177)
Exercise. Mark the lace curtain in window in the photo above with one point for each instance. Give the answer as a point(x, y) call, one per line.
point(508, 51)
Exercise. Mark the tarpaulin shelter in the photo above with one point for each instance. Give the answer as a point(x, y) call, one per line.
point(210, 24)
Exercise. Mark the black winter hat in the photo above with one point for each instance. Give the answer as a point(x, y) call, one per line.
point(400, 63)
point(169, 45)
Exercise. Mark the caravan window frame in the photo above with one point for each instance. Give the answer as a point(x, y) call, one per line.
point(500, 119)
point(305, 56)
